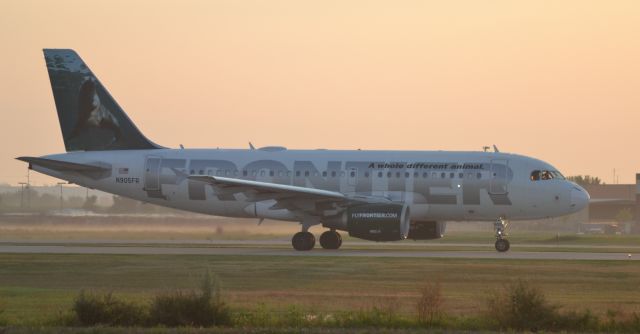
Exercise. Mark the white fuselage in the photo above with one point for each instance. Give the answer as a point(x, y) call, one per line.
point(437, 185)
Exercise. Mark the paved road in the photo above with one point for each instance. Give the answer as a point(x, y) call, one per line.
point(265, 251)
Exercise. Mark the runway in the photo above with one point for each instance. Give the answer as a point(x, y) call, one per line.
point(273, 251)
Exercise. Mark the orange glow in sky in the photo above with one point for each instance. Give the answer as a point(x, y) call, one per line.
point(556, 80)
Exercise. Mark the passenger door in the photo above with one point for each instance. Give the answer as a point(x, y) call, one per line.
point(152, 173)
point(498, 181)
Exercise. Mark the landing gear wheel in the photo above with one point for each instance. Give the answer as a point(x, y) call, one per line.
point(502, 245)
point(330, 240)
point(303, 241)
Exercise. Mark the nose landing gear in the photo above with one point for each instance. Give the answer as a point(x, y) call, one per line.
point(502, 244)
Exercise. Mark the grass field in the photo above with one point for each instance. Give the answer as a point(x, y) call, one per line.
point(34, 289)
point(199, 233)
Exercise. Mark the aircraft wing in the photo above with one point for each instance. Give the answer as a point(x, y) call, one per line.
point(294, 198)
point(611, 201)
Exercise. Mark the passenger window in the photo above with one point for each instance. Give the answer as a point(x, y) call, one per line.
point(535, 175)
point(201, 172)
point(452, 175)
point(333, 173)
point(389, 174)
point(379, 174)
point(461, 175)
point(425, 175)
point(406, 175)
point(245, 173)
point(443, 175)
point(306, 173)
point(416, 174)
point(271, 173)
point(366, 174)
point(297, 173)
point(324, 174)
point(479, 175)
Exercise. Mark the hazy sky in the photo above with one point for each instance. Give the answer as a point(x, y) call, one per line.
point(557, 80)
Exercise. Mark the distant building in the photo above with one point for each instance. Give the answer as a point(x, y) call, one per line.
point(611, 202)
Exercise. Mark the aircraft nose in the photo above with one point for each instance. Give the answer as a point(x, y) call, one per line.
point(579, 198)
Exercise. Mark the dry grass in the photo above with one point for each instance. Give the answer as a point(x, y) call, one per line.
point(34, 287)
point(429, 307)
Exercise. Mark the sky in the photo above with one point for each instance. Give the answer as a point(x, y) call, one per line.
point(556, 80)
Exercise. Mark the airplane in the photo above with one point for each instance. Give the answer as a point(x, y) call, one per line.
point(371, 195)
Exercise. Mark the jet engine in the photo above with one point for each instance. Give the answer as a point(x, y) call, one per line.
point(424, 230)
point(375, 222)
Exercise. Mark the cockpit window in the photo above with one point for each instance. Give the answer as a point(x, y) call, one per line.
point(544, 175)
point(535, 175)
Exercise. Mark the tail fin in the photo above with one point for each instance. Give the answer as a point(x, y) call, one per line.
point(90, 118)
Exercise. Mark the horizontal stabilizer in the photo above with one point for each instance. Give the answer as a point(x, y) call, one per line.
point(63, 166)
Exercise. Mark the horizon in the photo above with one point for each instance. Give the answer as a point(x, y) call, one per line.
point(554, 81)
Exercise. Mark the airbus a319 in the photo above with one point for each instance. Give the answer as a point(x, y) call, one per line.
point(372, 195)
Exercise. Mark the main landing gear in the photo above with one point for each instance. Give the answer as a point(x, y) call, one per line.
point(305, 240)
point(330, 240)
point(502, 244)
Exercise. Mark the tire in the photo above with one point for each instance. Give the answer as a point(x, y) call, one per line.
point(502, 245)
point(303, 241)
point(330, 240)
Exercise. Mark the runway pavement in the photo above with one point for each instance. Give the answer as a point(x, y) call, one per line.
point(284, 242)
point(252, 250)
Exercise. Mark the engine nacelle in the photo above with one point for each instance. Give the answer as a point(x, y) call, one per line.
point(424, 230)
point(378, 222)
